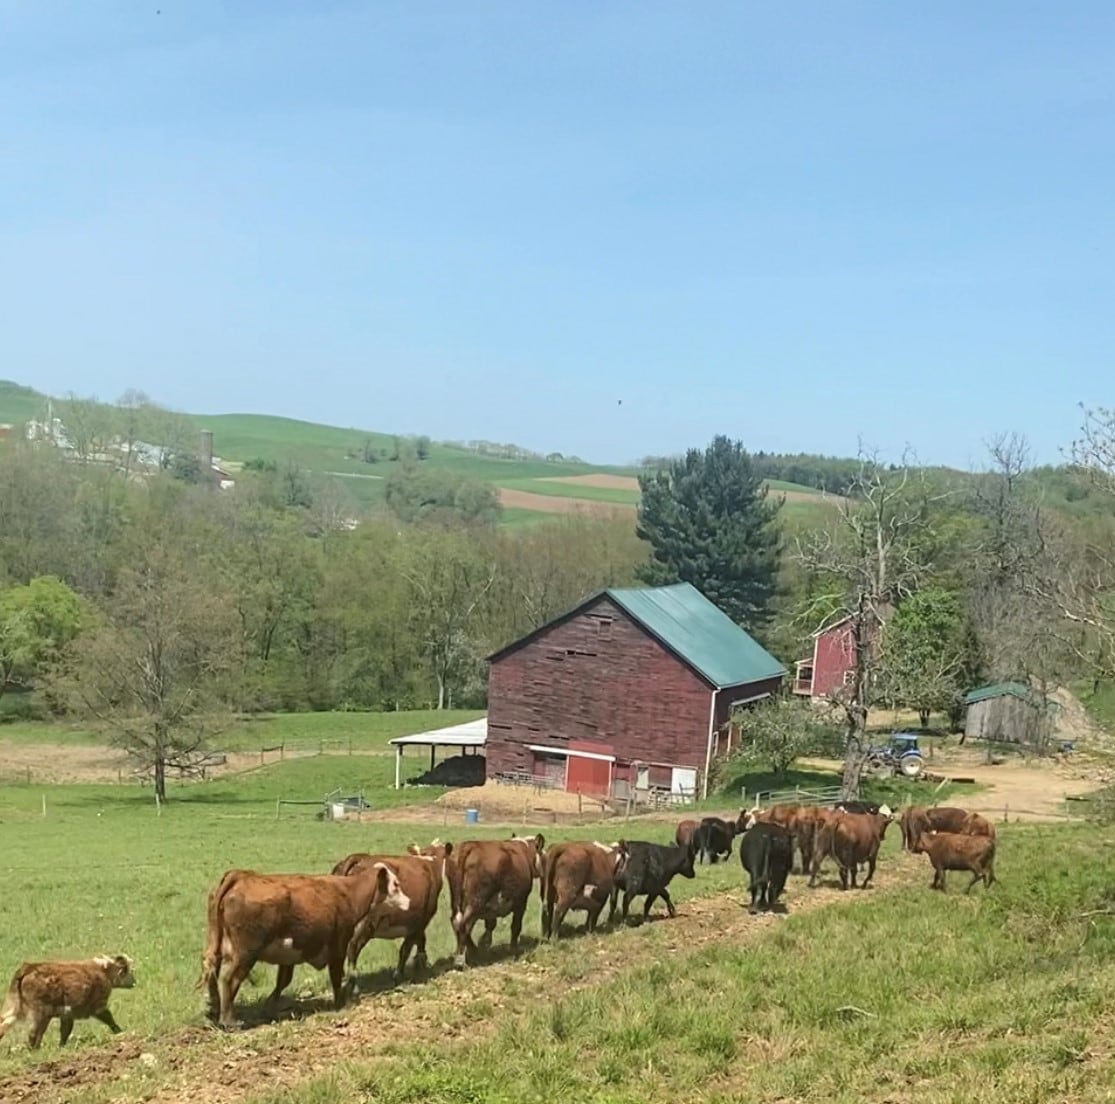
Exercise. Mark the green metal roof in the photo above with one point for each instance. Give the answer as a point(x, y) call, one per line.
point(1002, 689)
point(699, 633)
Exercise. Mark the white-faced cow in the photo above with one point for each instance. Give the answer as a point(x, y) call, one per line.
point(420, 874)
point(285, 919)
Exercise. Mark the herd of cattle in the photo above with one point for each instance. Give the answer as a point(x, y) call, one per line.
point(326, 920)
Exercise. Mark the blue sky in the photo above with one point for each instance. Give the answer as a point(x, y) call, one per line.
point(798, 224)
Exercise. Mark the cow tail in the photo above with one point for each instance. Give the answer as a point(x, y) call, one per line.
point(211, 959)
point(13, 1005)
point(544, 880)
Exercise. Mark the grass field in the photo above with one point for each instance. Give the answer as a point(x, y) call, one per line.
point(1008, 987)
point(914, 996)
point(363, 731)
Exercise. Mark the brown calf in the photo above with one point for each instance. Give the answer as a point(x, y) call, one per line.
point(489, 879)
point(955, 851)
point(42, 991)
point(285, 919)
point(420, 874)
point(575, 877)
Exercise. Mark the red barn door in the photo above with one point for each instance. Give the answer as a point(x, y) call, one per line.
point(589, 775)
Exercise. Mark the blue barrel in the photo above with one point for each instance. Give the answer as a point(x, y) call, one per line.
point(472, 816)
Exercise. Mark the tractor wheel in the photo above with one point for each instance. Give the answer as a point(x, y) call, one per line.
point(912, 765)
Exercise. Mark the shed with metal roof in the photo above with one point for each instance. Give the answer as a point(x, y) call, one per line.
point(1009, 712)
point(630, 690)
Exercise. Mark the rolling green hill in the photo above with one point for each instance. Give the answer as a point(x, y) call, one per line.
point(359, 460)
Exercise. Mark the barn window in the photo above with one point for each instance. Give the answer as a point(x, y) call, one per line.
point(604, 628)
point(849, 677)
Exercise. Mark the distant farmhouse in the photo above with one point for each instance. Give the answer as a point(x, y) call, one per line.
point(131, 456)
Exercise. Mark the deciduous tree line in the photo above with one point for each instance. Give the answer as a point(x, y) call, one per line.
point(161, 607)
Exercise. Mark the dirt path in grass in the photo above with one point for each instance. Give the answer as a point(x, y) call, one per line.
point(207, 1067)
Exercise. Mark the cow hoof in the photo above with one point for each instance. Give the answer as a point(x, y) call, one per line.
point(460, 962)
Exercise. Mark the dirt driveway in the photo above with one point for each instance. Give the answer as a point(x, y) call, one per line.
point(1013, 790)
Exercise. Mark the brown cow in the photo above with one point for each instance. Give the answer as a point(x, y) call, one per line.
point(686, 830)
point(817, 831)
point(856, 838)
point(285, 919)
point(69, 991)
point(420, 874)
point(976, 825)
point(942, 818)
point(489, 879)
point(955, 851)
point(577, 876)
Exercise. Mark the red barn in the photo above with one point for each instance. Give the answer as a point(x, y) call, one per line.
point(833, 663)
point(632, 687)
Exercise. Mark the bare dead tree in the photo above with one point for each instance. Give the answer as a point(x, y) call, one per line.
point(873, 553)
point(1078, 582)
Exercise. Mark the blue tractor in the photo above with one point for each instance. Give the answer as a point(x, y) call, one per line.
point(901, 756)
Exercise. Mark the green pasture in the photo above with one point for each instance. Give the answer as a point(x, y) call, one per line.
point(104, 871)
point(331, 731)
point(998, 997)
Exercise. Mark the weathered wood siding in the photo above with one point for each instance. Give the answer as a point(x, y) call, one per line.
point(835, 654)
point(1005, 718)
point(597, 676)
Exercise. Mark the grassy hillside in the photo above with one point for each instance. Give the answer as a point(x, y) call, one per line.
point(339, 453)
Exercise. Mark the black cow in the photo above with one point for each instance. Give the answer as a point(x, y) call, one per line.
point(767, 854)
point(857, 807)
point(713, 838)
point(647, 868)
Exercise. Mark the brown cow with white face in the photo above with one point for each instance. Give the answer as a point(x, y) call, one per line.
point(420, 873)
point(489, 879)
point(66, 991)
point(577, 877)
point(286, 919)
